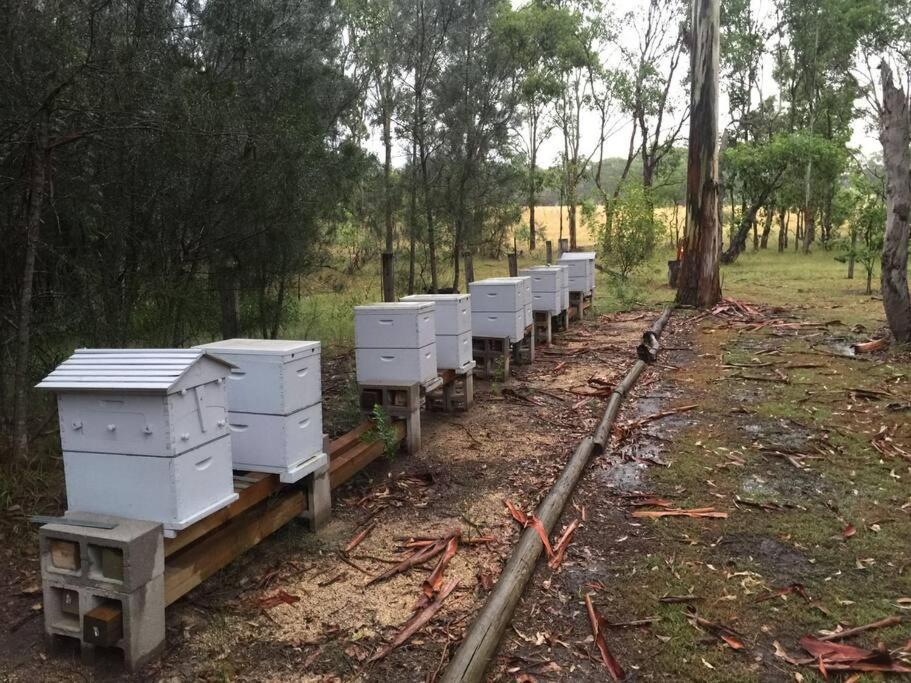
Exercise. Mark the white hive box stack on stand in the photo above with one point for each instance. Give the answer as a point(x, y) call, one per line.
point(581, 266)
point(144, 433)
point(549, 288)
point(453, 329)
point(498, 308)
point(275, 405)
point(395, 343)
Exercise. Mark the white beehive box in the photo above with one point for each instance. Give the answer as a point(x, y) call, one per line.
point(402, 325)
point(288, 445)
point(496, 295)
point(275, 405)
point(524, 285)
point(453, 312)
point(581, 266)
point(144, 429)
point(175, 492)
point(454, 351)
point(550, 288)
point(498, 325)
point(396, 367)
point(271, 376)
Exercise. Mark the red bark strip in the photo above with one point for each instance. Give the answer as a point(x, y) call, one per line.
point(598, 624)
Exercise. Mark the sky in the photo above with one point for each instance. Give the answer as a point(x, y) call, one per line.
point(617, 144)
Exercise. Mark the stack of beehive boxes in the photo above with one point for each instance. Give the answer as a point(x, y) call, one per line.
point(144, 433)
point(395, 343)
point(499, 309)
point(275, 405)
point(581, 266)
point(453, 328)
point(549, 287)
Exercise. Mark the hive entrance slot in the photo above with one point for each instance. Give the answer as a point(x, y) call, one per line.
point(105, 563)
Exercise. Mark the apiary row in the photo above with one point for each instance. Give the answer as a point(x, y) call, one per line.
point(154, 434)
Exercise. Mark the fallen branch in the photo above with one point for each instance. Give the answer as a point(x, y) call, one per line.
point(710, 513)
point(848, 632)
point(356, 541)
point(414, 624)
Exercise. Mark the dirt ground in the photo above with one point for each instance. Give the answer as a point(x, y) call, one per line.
point(806, 450)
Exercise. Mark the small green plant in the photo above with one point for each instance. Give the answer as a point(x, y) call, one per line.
point(383, 431)
point(633, 231)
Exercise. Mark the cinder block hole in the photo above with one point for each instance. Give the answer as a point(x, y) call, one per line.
point(105, 563)
point(65, 555)
point(102, 624)
point(63, 609)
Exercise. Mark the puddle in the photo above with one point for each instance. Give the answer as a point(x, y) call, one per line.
point(624, 476)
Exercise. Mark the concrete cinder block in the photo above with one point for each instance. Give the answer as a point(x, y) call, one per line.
point(123, 558)
point(142, 634)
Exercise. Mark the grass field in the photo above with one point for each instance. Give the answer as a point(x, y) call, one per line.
point(816, 282)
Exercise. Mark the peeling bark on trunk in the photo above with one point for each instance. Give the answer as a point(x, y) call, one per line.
point(699, 280)
point(895, 136)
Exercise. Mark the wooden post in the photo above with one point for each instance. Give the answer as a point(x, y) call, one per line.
point(388, 276)
point(699, 282)
point(549, 251)
point(469, 269)
point(562, 246)
point(513, 264)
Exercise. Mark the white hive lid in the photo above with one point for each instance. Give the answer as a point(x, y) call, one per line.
point(578, 256)
point(541, 268)
point(261, 347)
point(126, 369)
point(394, 306)
point(434, 297)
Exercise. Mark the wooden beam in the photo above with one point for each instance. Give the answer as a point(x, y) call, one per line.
point(352, 461)
point(344, 442)
point(186, 570)
point(263, 486)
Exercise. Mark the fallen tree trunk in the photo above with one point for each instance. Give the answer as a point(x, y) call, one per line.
point(483, 636)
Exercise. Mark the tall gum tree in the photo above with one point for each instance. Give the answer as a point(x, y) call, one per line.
point(895, 136)
point(699, 279)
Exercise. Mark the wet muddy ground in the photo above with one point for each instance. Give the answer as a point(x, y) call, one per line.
point(777, 440)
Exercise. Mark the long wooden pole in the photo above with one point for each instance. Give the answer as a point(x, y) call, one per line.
point(483, 637)
point(699, 282)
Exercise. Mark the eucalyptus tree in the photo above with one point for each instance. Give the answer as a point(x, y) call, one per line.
point(541, 36)
point(375, 28)
point(814, 58)
point(699, 282)
point(656, 59)
point(476, 106)
point(580, 63)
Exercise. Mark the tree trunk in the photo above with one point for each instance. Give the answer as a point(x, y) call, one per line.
point(766, 228)
point(895, 136)
point(388, 279)
point(413, 218)
point(870, 282)
point(533, 125)
point(851, 256)
point(228, 298)
point(38, 166)
point(699, 279)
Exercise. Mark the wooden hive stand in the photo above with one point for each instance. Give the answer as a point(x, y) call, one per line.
point(487, 351)
point(457, 392)
point(579, 302)
point(544, 327)
point(400, 402)
point(523, 351)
